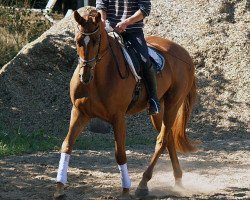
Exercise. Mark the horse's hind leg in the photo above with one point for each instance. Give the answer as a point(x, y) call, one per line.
point(169, 117)
point(142, 189)
point(164, 140)
point(77, 122)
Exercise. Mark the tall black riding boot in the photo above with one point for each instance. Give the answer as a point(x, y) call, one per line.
point(151, 87)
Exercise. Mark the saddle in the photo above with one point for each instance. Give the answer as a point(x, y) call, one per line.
point(134, 62)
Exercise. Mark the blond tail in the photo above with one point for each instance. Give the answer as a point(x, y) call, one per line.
point(182, 143)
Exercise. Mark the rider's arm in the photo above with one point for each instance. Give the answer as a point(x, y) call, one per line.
point(144, 10)
point(138, 16)
point(145, 7)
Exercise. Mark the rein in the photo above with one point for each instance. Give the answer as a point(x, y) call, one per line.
point(116, 63)
point(97, 58)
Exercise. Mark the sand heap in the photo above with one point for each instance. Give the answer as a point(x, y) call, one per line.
point(34, 86)
point(216, 33)
point(34, 89)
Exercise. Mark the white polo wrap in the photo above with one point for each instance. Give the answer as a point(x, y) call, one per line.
point(125, 179)
point(63, 168)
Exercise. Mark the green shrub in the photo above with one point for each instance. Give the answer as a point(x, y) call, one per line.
point(24, 3)
point(18, 27)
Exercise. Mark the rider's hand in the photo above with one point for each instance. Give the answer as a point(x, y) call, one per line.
point(121, 26)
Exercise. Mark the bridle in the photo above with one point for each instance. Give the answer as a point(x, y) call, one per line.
point(86, 63)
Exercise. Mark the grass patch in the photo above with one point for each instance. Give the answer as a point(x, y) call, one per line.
point(18, 143)
point(94, 141)
point(97, 141)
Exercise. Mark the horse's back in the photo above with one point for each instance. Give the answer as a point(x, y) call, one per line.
point(171, 48)
point(178, 75)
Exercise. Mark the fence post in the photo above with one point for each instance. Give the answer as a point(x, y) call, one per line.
point(50, 5)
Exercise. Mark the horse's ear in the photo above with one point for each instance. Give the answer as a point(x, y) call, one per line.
point(78, 18)
point(98, 18)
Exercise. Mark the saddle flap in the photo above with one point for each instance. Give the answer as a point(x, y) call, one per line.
point(134, 61)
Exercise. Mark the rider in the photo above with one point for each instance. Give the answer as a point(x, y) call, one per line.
point(126, 17)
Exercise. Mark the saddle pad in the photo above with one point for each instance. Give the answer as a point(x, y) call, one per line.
point(157, 58)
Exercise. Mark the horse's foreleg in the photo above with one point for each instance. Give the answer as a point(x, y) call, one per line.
point(119, 127)
point(77, 122)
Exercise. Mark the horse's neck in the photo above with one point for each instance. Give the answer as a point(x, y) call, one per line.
point(109, 88)
point(106, 72)
point(112, 58)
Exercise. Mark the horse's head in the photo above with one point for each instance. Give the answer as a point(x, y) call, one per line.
point(88, 42)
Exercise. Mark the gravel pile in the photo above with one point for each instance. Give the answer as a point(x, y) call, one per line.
point(34, 85)
point(216, 33)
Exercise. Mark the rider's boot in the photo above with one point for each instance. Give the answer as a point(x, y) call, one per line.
point(151, 87)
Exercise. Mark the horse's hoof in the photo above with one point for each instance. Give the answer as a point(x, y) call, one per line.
point(178, 186)
point(141, 192)
point(124, 197)
point(59, 195)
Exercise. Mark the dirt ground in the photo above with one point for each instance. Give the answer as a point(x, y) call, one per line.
point(223, 172)
point(216, 33)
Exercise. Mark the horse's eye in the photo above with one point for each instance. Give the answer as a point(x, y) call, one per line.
point(79, 42)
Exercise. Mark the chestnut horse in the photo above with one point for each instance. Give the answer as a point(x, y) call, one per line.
point(100, 88)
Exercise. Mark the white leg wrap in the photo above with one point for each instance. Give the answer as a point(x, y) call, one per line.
point(63, 168)
point(125, 179)
point(50, 4)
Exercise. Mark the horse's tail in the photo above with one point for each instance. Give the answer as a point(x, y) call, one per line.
point(182, 143)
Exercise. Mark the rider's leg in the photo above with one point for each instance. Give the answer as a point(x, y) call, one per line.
point(136, 38)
